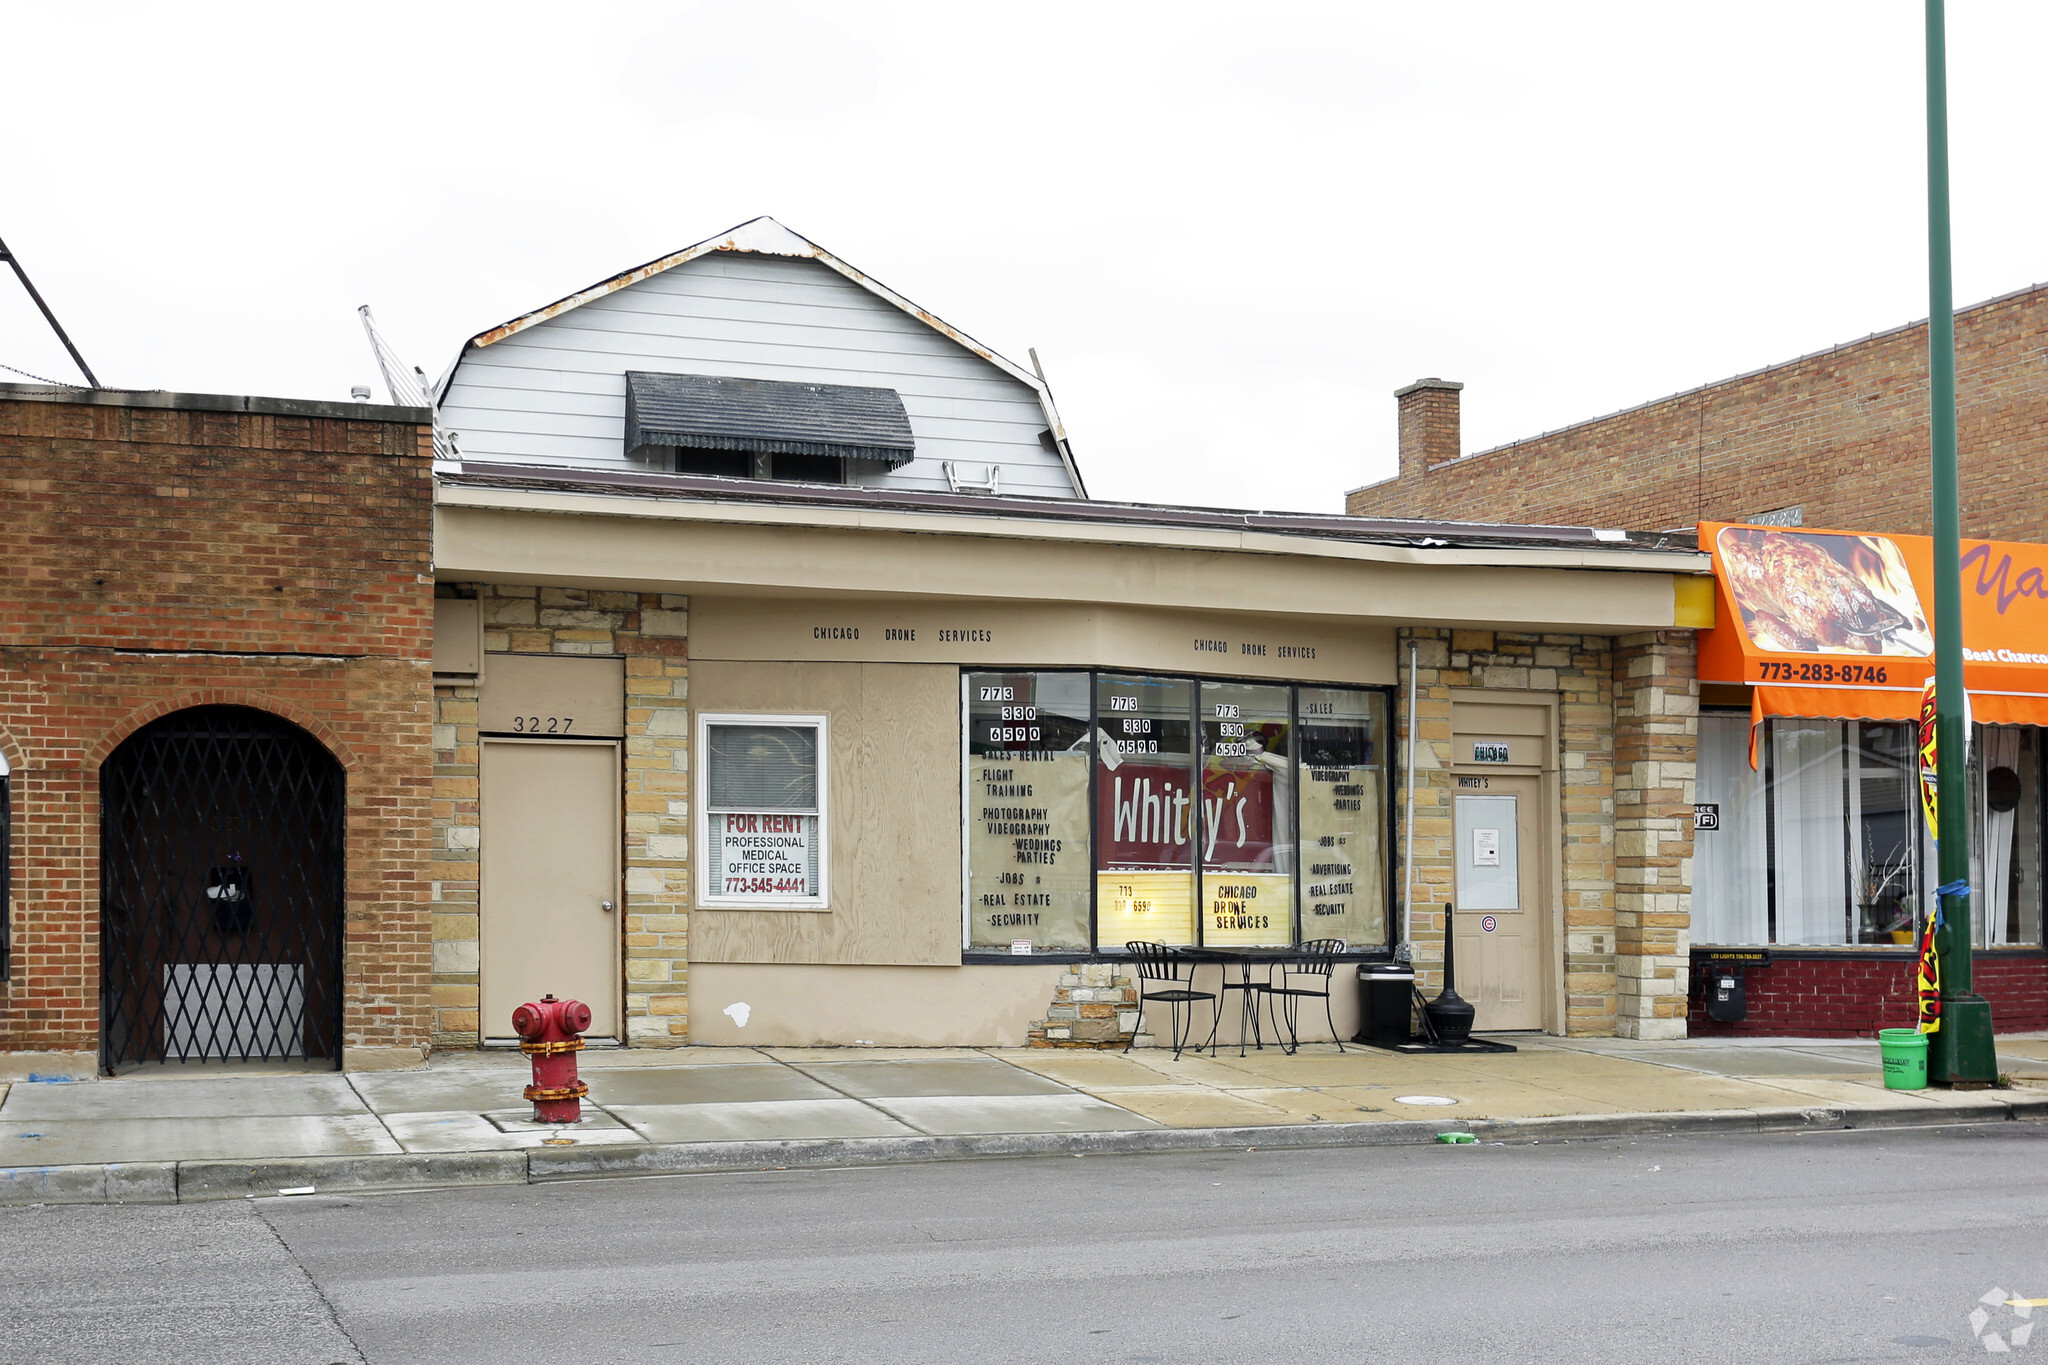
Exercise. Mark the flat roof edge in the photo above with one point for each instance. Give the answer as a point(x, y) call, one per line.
point(167, 400)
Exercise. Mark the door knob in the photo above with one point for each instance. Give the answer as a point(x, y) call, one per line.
point(605, 906)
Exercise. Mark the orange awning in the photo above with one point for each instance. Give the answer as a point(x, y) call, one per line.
point(1839, 625)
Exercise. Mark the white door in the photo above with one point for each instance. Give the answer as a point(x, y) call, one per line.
point(549, 889)
point(1499, 904)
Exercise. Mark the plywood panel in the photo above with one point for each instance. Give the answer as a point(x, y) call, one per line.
point(553, 695)
point(895, 814)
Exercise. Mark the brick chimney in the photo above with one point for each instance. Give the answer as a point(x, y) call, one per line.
point(1429, 425)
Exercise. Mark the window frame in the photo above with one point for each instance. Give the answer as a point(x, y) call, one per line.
point(1391, 764)
point(821, 724)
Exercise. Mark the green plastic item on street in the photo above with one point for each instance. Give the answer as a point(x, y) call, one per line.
point(1905, 1058)
point(1455, 1137)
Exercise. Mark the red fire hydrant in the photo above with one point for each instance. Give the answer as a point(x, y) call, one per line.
point(549, 1030)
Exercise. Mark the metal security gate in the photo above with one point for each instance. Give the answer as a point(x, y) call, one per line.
point(221, 892)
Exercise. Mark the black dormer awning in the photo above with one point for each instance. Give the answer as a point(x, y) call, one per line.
point(766, 417)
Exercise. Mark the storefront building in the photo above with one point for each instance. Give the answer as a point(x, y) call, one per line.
point(1815, 867)
point(913, 769)
point(214, 731)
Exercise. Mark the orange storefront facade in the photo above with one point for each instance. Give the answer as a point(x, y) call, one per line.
point(1811, 849)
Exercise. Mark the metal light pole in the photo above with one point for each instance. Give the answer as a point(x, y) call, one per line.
point(1961, 1052)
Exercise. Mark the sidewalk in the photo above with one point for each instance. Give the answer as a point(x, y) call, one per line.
point(181, 1137)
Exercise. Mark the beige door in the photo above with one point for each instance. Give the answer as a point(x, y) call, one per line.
point(549, 917)
point(1501, 904)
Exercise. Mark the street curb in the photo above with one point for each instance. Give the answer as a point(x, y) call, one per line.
point(187, 1182)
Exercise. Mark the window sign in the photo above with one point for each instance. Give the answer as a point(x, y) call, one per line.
point(1145, 815)
point(1247, 814)
point(764, 821)
point(1343, 795)
point(1026, 802)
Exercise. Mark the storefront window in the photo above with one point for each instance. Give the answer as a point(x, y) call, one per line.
point(2005, 834)
point(1343, 786)
point(1222, 812)
point(1247, 816)
point(1145, 813)
point(1820, 848)
point(1731, 900)
point(1027, 811)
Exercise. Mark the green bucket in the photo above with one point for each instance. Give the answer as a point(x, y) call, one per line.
point(1905, 1058)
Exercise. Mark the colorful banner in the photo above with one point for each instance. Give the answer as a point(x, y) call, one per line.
point(1929, 788)
point(1839, 625)
point(1929, 985)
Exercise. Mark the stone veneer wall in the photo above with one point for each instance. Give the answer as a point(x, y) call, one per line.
point(651, 632)
point(1095, 1005)
point(1577, 670)
point(1628, 734)
point(1656, 757)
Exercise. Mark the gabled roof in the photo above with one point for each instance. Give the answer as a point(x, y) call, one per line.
point(764, 236)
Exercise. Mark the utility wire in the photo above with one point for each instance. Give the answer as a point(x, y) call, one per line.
point(38, 378)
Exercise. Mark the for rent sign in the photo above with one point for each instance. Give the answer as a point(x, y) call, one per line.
point(764, 857)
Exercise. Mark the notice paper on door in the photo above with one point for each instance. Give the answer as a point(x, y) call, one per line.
point(1486, 848)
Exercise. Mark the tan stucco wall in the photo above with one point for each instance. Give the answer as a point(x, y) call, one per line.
point(647, 553)
point(892, 818)
point(807, 1006)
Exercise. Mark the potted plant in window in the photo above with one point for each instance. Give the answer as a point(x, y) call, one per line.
point(1884, 885)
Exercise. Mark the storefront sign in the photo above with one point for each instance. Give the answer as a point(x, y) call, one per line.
point(763, 857)
point(1490, 752)
point(1840, 625)
point(1026, 798)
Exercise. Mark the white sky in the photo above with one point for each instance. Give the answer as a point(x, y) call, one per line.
point(1231, 231)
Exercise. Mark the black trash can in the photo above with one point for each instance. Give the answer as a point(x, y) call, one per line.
point(1386, 991)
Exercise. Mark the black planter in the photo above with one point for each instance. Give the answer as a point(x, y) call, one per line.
point(1450, 1015)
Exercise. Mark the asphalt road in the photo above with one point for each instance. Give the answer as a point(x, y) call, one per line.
point(1830, 1247)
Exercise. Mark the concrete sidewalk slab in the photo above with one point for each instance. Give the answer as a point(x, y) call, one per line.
point(416, 1092)
point(758, 1120)
point(69, 1142)
point(471, 1132)
point(735, 1084)
point(1192, 1106)
point(183, 1097)
point(1331, 1104)
point(1089, 1070)
point(1065, 1112)
point(947, 1076)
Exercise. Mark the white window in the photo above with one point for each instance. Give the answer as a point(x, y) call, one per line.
point(761, 831)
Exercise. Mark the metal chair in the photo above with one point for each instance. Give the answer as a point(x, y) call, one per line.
point(1312, 970)
point(1157, 962)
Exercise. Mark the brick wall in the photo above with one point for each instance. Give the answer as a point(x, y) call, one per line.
point(1825, 996)
point(1841, 434)
point(162, 551)
point(651, 632)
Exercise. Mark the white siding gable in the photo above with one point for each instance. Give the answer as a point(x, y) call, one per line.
point(554, 393)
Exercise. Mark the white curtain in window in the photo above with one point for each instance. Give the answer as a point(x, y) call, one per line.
point(1729, 888)
point(1999, 747)
point(1810, 848)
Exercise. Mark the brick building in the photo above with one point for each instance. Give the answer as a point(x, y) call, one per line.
point(215, 698)
point(1836, 438)
point(1816, 865)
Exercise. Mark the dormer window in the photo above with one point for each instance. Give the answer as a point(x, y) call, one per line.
point(764, 428)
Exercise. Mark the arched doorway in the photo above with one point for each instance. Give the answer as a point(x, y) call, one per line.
point(221, 892)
